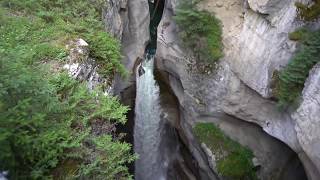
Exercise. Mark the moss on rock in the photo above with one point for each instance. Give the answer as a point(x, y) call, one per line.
point(309, 12)
point(233, 160)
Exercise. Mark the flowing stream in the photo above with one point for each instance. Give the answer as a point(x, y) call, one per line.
point(147, 136)
point(149, 133)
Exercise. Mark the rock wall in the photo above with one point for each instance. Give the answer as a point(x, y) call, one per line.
point(255, 38)
point(256, 43)
point(114, 16)
point(307, 117)
point(128, 20)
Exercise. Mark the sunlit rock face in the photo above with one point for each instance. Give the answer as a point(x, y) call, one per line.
point(255, 35)
point(267, 6)
point(263, 45)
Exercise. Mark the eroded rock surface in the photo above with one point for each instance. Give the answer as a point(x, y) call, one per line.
point(255, 38)
point(307, 117)
point(114, 16)
point(256, 43)
point(129, 21)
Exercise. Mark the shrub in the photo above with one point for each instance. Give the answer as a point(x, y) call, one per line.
point(200, 31)
point(44, 123)
point(47, 120)
point(106, 50)
point(233, 160)
point(294, 75)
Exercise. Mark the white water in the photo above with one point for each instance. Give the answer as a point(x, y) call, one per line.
point(147, 129)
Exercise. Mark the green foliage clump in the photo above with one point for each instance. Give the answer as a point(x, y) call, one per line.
point(106, 50)
point(294, 75)
point(299, 35)
point(309, 12)
point(200, 31)
point(111, 161)
point(233, 160)
point(48, 121)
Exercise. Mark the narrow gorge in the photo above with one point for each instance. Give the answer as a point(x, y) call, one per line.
point(226, 96)
point(160, 89)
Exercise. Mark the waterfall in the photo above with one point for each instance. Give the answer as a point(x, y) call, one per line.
point(147, 130)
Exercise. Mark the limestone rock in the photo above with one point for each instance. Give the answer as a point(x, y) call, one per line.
point(135, 36)
point(262, 46)
point(219, 4)
point(211, 157)
point(113, 15)
point(239, 85)
point(82, 67)
point(267, 6)
point(255, 38)
point(256, 43)
point(307, 117)
point(78, 50)
point(256, 162)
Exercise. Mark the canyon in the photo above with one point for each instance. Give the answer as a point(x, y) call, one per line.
point(236, 95)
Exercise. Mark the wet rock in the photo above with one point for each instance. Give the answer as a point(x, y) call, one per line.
point(256, 162)
point(141, 71)
point(211, 157)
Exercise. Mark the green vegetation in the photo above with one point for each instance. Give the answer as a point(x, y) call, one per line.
point(49, 25)
point(294, 75)
point(299, 34)
point(233, 160)
point(48, 121)
point(106, 51)
point(200, 31)
point(309, 12)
